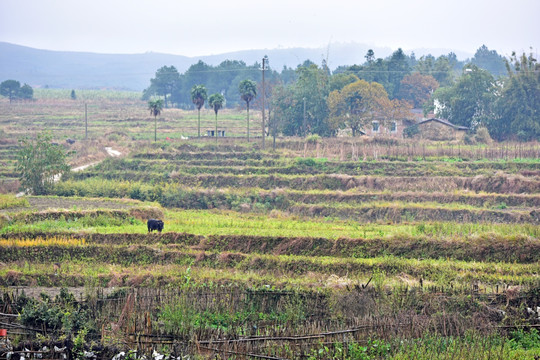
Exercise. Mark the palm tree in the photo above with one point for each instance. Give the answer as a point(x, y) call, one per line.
point(248, 91)
point(216, 101)
point(198, 96)
point(155, 107)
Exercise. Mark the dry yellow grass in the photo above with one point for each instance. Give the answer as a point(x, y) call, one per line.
point(39, 241)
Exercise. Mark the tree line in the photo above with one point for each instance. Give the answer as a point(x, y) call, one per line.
point(175, 88)
point(487, 91)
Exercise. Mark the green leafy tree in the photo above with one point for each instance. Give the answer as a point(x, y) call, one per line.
point(340, 80)
point(198, 97)
point(398, 68)
point(166, 82)
point(489, 60)
point(26, 92)
point(310, 92)
point(248, 91)
point(374, 70)
point(223, 78)
point(155, 107)
point(40, 163)
point(216, 102)
point(518, 107)
point(441, 68)
point(288, 75)
point(469, 102)
point(10, 89)
point(387, 72)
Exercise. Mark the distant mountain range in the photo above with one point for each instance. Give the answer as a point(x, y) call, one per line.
point(81, 70)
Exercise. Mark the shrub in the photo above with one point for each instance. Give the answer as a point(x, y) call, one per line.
point(469, 140)
point(521, 339)
point(482, 136)
point(61, 314)
point(411, 131)
point(305, 162)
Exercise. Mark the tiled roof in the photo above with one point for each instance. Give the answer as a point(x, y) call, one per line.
point(444, 122)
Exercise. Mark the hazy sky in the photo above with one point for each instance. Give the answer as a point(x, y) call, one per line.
point(202, 27)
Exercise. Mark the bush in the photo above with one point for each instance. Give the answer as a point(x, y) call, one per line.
point(521, 339)
point(469, 139)
point(64, 313)
point(482, 136)
point(411, 131)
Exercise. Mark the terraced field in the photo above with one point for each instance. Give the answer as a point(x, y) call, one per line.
point(430, 252)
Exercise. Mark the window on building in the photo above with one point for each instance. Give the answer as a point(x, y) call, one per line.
point(393, 127)
point(375, 126)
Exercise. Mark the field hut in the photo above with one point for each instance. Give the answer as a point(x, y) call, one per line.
point(212, 133)
point(439, 129)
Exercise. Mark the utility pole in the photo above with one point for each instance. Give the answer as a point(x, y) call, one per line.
point(264, 67)
point(85, 121)
point(304, 122)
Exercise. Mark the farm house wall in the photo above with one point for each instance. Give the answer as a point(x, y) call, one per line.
point(385, 129)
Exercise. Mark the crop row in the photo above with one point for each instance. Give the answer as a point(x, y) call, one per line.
point(108, 184)
point(485, 247)
point(473, 199)
point(443, 272)
point(306, 167)
point(277, 224)
point(134, 163)
point(85, 217)
point(395, 211)
point(376, 149)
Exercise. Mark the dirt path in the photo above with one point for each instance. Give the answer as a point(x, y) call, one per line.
point(83, 167)
point(112, 152)
point(109, 150)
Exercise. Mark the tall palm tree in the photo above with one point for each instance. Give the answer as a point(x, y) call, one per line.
point(216, 101)
point(248, 91)
point(198, 96)
point(155, 107)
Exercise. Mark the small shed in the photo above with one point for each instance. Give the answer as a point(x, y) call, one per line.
point(439, 129)
point(212, 133)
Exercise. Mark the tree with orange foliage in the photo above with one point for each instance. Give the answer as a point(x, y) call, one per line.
point(357, 105)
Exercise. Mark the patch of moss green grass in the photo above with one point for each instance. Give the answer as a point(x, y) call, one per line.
point(8, 201)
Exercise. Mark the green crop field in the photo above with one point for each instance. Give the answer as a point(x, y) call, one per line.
point(338, 248)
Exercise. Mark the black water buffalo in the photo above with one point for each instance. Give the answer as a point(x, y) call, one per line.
point(154, 224)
